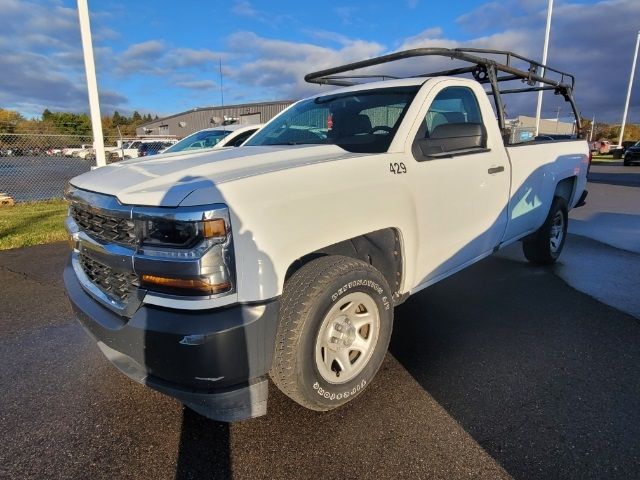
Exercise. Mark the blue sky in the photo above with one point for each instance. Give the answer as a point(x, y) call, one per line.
point(162, 57)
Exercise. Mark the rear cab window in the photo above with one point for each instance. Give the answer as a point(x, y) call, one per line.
point(451, 105)
point(452, 126)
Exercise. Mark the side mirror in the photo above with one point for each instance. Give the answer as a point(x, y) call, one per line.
point(450, 138)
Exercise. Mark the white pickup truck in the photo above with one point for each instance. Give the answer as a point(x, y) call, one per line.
point(202, 274)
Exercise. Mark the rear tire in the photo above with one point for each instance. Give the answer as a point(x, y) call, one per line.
point(545, 245)
point(336, 317)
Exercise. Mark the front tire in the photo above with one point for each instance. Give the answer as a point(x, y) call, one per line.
point(336, 318)
point(545, 245)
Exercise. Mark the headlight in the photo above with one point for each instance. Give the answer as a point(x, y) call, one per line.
point(181, 234)
point(190, 250)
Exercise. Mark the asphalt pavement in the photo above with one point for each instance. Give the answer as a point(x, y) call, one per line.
point(503, 370)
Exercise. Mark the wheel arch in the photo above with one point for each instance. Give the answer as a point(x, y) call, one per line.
point(565, 189)
point(382, 249)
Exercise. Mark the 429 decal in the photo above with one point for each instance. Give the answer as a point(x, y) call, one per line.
point(397, 168)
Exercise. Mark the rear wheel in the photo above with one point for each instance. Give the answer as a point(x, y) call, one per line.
point(336, 318)
point(545, 245)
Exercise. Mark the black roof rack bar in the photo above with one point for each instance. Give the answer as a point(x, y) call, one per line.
point(531, 62)
point(383, 76)
point(484, 70)
point(527, 89)
point(444, 73)
point(327, 76)
point(503, 78)
point(346, 80)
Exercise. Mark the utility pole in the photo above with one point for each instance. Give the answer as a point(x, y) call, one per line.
point(593, 122)
point(626, 105)
point(545, 49)
point(92, 83)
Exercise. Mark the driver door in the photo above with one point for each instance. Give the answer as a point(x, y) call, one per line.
point(463, 190)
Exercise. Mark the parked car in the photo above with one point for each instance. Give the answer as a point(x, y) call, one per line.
point(632, 154)
point(86, 154)
point(199, 275)
point(601, 147)
point(619, 152)
point(54, 152)
point(151, 148)
point(130, 149)
point(217, 137)
point(69, 151)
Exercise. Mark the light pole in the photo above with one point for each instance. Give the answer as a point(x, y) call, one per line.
point(626, 105)
point(545, 48)
point(92, 83)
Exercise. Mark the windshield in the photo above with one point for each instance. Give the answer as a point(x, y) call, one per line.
point(361, 121)
point(202, 139)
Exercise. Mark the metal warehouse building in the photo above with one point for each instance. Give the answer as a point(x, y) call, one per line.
point(185, 123)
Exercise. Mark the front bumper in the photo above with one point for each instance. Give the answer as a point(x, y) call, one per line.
point(213, 361)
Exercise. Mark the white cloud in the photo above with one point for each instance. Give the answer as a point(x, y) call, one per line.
point(279, 66)
point(40, 47)
point(197, 84)
point(44, 37)
point(244, 9)
point(599, 57)
point(345, 14)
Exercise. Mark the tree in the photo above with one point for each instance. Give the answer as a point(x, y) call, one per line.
point(136, 118)
point(9, 119)
point(71, 123)
point(116, 119)
point(46, 115)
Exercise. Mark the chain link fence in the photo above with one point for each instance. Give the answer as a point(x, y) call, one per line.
point(38, 165)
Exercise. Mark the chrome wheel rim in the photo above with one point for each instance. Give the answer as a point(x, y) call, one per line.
point(347, 338)
point(557, 232)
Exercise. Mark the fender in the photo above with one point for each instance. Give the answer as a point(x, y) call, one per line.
point(282, 216)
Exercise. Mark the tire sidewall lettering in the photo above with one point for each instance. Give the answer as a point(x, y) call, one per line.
point(341, 395)
point(376, 287)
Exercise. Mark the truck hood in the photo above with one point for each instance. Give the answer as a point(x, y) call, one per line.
point(166, 180)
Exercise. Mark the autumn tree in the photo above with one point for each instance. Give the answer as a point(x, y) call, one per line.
point(9, 120)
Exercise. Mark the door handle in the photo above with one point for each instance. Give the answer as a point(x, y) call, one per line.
point(496, 169)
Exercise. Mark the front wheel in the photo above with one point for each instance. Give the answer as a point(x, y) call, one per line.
point(336, 318)
point(545, 245)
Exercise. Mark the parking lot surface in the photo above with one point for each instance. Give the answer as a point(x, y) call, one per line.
point(503, 370)
point(39, 177)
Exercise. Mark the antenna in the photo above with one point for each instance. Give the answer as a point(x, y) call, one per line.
point(221, 91)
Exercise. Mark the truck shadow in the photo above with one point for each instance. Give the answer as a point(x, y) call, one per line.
point(203, 451)
point(630, 179)
point(536, 372)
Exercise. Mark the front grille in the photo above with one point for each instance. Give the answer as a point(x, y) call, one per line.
point(117, 285)
point(104, 227)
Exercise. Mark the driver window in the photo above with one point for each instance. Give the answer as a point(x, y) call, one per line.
point(385, 116)
point(452, 105)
